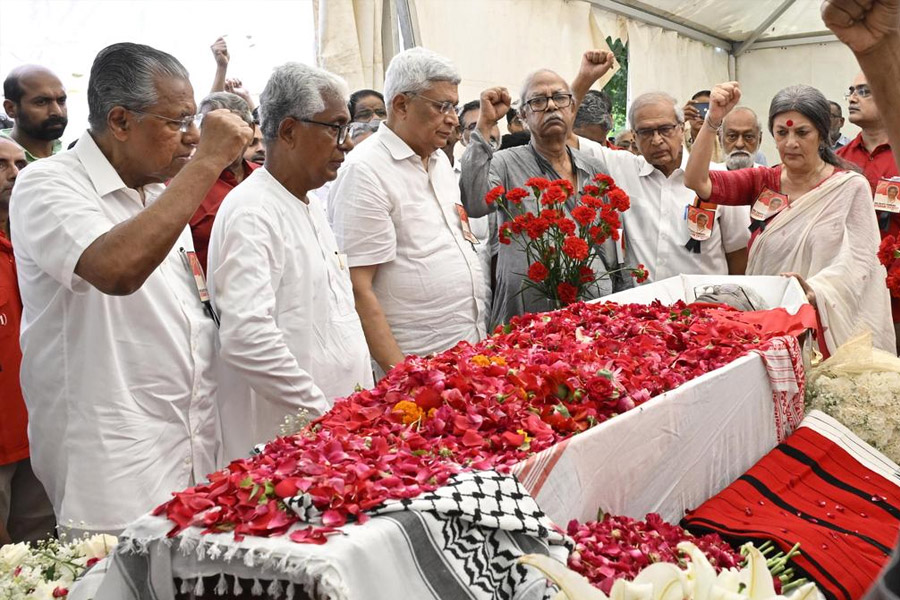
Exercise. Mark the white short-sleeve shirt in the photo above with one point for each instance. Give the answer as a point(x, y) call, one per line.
point(656, 224)
point(392, 212)
point(290, 336)
point(119, 389)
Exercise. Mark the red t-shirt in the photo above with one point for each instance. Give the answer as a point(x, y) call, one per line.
point(202, 221)
point(875, 165)
point(13, 416)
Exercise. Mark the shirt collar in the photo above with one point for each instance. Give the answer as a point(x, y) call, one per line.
point(103, 175)
point(857, 142)
point(29, 157)
point(647, 169)
point(399, 149)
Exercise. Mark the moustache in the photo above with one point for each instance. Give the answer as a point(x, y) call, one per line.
point(738, 153)
point(55, 122)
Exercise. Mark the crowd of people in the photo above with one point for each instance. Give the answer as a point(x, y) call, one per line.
point(187, 275)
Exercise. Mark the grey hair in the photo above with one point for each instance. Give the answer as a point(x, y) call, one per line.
point(526, 85)
point(232, 102)
point(812, 104)
point(594, 110)
point(297, 90)
point(414, 70)
point(653, 98)
point(126, 74)
point(759, 126)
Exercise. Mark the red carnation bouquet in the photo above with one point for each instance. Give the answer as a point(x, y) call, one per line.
point(889, 255)
point(563, 246)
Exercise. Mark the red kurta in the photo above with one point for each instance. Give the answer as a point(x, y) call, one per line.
point(202, 221)
point(875, 165)
point(14, 420)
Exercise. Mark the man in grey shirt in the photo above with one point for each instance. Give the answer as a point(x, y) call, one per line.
point(549, 110)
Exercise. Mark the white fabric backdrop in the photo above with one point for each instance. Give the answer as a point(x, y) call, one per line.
point(828, 67)
point(499, 42)
point(662, 60)
point(349, 41)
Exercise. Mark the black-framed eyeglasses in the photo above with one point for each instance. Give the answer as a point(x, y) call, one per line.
point(664, 131)
point(343, 131)
point(445, 107)
point(184, 123)
point(540, 103)
point(861, 90)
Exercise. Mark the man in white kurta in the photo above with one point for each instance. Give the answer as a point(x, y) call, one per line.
point(290, 336)
point(417, 280)
point(117, 347)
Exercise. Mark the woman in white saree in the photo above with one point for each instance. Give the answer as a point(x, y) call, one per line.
point(813, 215)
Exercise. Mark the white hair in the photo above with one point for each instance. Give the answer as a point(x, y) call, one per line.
point(653, 98)
point(526, 85)
point(414, 71)
point(297, 90)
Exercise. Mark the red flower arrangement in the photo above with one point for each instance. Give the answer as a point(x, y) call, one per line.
point(538, 380)
point(620, 548)
point(561, 247)
point(889, 255)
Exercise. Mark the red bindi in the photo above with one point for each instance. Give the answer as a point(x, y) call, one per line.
point(789, 123)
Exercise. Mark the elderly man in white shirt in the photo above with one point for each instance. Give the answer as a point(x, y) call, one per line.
point(290, 336)
point(656, 225)
point(398, 216)
point(118, 348)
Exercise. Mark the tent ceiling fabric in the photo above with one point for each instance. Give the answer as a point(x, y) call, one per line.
point(736, 20)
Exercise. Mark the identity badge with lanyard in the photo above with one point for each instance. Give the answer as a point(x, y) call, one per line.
point(768, 204)
point(887, 200)
point(193, 264)
point(700, 218)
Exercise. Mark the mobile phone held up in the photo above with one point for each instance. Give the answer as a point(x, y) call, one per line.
point(702, 108)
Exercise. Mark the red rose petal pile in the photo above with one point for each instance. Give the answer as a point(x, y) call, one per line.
point(490, 405)
point(620, 548)
point(889, 255)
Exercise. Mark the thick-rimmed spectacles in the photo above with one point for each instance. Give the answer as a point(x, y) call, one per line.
point(861, 90)
point(343, 131)
point(664, 131)
point(184, 123)
point(749, 137)
point(540, 103)
point(445, 107)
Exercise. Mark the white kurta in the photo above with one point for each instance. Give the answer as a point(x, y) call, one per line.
point(290, 336)
point(392, 212)
point(119, 388)
point(656, 224)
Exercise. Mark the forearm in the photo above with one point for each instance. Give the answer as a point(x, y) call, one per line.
point(218, 84)
point(881, 66)
point(580, 86)
point(475, 180)
point(256, 349)
point(119, 261)
point(380, 339)
point(737, 262)
point(696, 173)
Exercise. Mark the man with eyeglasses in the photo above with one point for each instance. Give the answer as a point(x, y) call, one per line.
point(415, 271)
point(548, 108)
point(740, 137)
point(290, 338)
point(870, 149)
point(656, 225)
point(118, 346)
point(837, 139)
